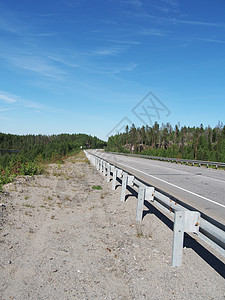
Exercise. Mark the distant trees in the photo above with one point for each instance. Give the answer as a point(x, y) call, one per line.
point(36, 149)
point(44, 147)
point(180, 142)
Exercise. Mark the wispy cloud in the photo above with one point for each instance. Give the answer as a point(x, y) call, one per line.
point(8, 26)
point(47, 15)
point(152, 32)
point(109, 69)
point(43, 34)
point(137, 3)
point(129, 67)
point(134, 3)
point(36, 64)
point(63, 61)
point(8, 98)
point(108, 51)
point(209, 40)
point(6, 109)
point(200, 23)
point(18, 101)
point(123, 42)
point(6, 118)
point(170, 2)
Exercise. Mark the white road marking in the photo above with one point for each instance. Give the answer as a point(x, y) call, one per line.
point(209, 200)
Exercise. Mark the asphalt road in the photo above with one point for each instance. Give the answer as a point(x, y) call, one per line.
point(202, 188)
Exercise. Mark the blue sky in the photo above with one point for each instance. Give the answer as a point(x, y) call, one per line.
point(71, 66)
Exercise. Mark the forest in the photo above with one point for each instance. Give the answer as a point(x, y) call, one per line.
point(196, 143)
point(27, 154)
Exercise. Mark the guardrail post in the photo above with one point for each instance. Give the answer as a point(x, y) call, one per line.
point(108, 172)
point(101, 166)
point(124, 186)
point(178, 238)
point(114, 178)
point(140, 203)
point(144, 193)
point(119, 173)
point(98, 164)
point(104, 168)
point(184, 221)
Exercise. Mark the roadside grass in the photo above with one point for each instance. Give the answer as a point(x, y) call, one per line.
point(18, 168)
point(96, 187)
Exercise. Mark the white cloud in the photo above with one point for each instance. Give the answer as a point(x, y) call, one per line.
point(170, 2)
point(8, 98)
point(209, 40)
point(63, 61)
point(201, 23)
point(5, 118)
point(108, 51)
point(18, 102)
point(36, 64)
point(136, 3)
point(121, 68)
point(152, 32)
point(6, 109)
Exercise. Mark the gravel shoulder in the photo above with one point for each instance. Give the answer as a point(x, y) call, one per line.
point(62, 239)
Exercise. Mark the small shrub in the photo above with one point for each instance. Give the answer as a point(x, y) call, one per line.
point(97, 187)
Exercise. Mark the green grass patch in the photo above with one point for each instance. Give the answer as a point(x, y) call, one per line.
point(97, 187)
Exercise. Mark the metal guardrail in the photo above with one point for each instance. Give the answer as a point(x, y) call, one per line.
point(184, 219)
point(176, 160)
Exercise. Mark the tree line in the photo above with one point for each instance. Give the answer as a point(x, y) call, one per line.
point(196, 143)
point(25, 154)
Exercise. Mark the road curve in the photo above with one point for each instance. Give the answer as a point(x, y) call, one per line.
point(201, 188)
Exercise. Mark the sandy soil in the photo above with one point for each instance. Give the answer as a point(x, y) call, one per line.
point(62, 239)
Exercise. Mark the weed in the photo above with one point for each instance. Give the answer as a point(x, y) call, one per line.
point(56, 174)
point(139, 235)
point(26, 197)
point(96, 187)
point(17, 168)
point(28, 205)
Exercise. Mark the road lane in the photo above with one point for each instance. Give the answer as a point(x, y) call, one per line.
point(203, 189)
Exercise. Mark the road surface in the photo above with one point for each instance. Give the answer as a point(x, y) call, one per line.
point(202, 188)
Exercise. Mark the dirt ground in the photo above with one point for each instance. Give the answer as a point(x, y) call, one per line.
point(62, 239)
